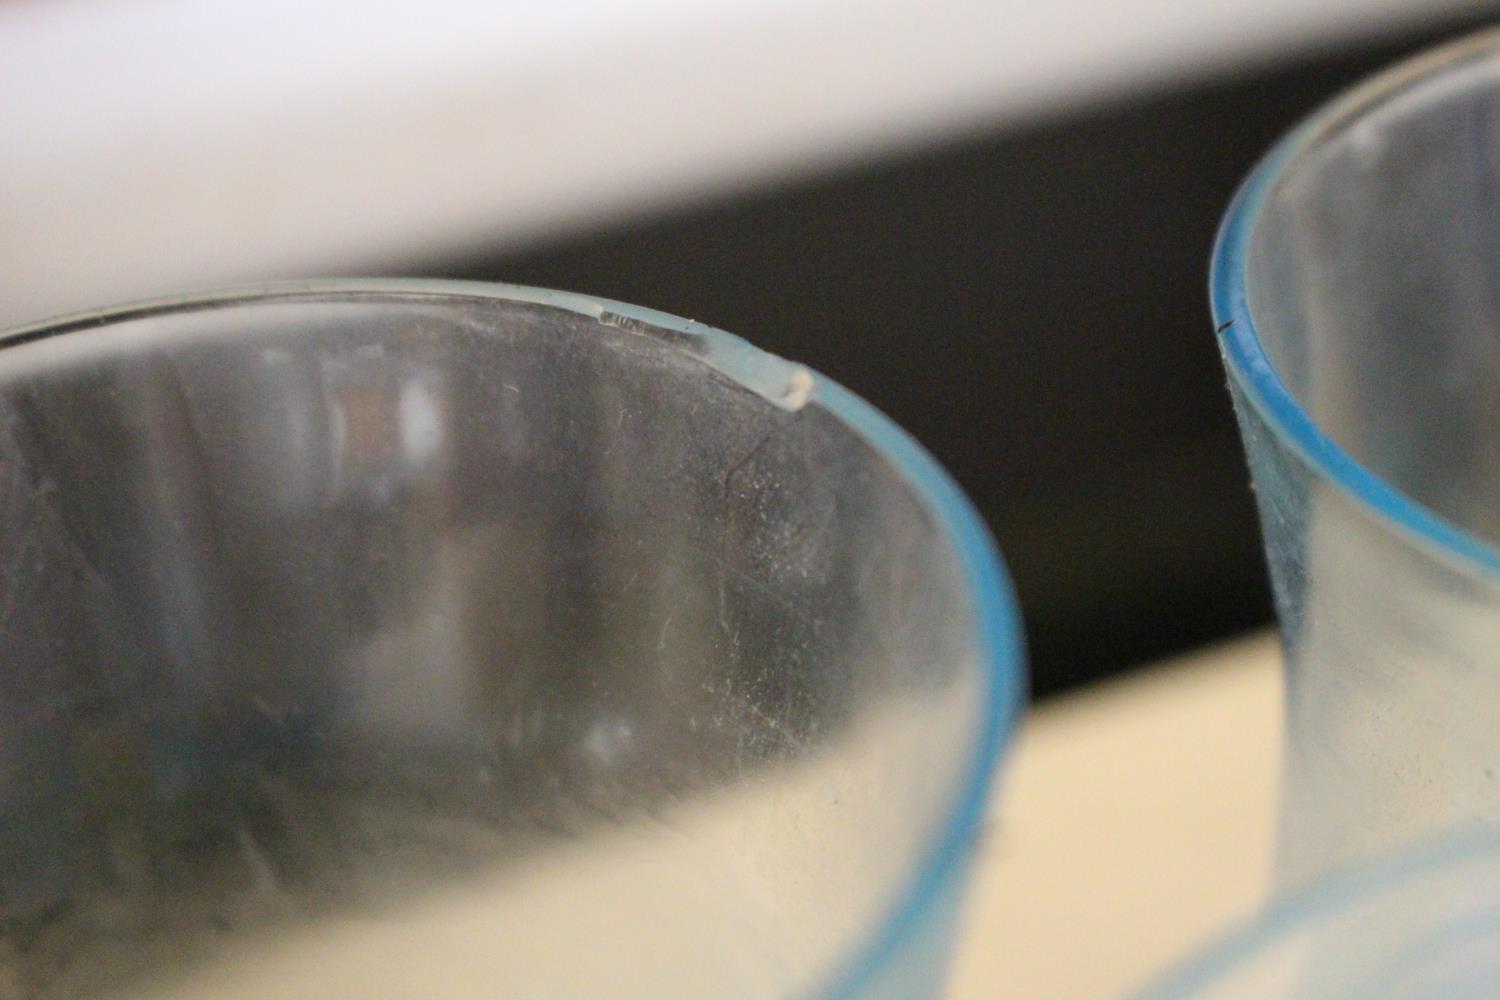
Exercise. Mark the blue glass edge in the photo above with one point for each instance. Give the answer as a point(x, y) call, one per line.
point(1001, 644)
point(1001, 636)
point(1330, 894)
point(1250, 368)
point(1245, 356)
point(1001, 641)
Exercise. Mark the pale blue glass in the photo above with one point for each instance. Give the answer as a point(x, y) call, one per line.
point(1423, 924)
point(453, 640)
point(1356, 287)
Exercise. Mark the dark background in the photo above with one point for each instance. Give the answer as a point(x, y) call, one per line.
point(1031, 304)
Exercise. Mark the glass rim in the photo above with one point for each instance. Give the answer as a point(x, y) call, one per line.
point(997, 616)
point(1245, 357)
point(1324, 897)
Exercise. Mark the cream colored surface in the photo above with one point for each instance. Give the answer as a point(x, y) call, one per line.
point(577, 920)
point(1135, 822)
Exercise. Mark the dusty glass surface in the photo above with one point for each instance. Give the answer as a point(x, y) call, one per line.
point(421, 639)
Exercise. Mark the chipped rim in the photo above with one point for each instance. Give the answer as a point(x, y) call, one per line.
point(941, 865)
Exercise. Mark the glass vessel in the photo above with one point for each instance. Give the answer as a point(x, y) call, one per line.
point(1423, 924)
point(424, 639)
point(1355, 287)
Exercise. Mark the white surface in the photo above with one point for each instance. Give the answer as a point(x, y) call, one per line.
point(1136, 822)
point(148, 145)
point(728, 924)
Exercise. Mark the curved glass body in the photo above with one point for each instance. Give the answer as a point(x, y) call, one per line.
point(1355, 286)
point(1423, 924)
point(447, 640)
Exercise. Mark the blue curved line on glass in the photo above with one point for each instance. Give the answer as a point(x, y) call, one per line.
point(1245, 355)
point(1000, 634)
point(999, 641)
point(1327, 896)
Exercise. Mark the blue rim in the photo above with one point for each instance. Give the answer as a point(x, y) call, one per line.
point(1325, 898)
point(1244, 354)
point(1262, 388)
point(1000, 638)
